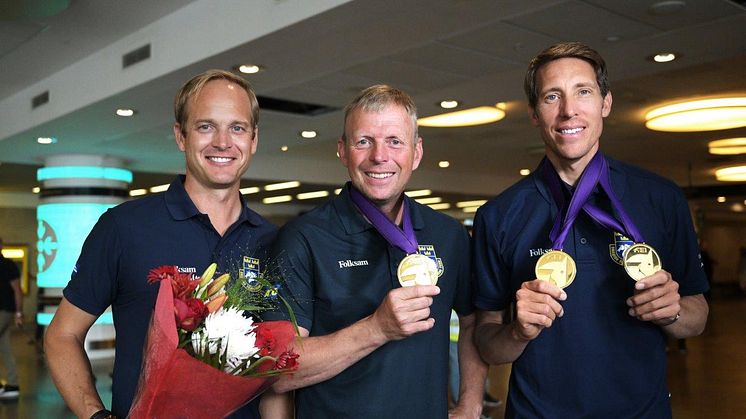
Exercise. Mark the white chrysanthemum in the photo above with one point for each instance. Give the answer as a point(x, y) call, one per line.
point(230, 331)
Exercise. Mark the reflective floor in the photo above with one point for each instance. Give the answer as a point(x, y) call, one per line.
point(708, 380)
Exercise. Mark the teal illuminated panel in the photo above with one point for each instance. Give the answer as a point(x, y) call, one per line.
point(61, 231)
point(44, 319)
point(86, 172)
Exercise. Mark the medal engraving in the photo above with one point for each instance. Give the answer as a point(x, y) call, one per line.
point(641, 260)
point(417, 269)
point(556, 267)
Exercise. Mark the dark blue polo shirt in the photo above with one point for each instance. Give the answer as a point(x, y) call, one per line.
point(596, 361)
point(131, 239)
point(338, 270)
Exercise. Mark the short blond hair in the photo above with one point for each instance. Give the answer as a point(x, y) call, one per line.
point(375, 99)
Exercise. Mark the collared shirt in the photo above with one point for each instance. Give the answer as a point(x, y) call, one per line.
point(137, 236)
point(596, 360)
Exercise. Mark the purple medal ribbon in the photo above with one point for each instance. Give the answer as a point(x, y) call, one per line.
point(402, 238)
point(597, 172)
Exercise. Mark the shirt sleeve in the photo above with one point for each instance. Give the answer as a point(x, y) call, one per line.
point(291, 252)
point(491, 280)
point(93, 285)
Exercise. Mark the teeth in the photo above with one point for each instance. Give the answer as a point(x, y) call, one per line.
point(220, 159)
point(380, 175)
point(571, 130)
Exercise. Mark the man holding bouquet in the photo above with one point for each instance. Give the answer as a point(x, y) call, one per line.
point(361, 274)
point(202, 218)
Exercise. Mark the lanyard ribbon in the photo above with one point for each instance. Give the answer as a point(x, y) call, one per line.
point(402, 238)
point(596, 173)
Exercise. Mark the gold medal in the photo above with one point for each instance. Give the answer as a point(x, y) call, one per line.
point(641, 260)
point(556, 267)
point(417, 269)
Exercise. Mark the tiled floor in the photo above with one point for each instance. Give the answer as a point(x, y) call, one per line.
point(709, 381)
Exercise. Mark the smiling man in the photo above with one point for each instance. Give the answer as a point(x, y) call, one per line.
point(557, 296)
point(372, 347)
point(201, 219)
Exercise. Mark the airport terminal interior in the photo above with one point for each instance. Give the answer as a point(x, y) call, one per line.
point(86, 105)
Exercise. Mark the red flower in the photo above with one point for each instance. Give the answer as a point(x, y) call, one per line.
point(287, 360)
point(161, 273)
point(264, 340)
point(189, 313)
point(183, 285)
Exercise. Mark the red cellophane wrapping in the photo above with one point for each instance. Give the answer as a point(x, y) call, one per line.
point(173, 384)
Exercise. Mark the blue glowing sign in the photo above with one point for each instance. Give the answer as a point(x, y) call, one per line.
point(84, 172)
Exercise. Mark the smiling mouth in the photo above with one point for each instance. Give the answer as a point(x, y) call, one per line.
point(570, 131)
point(379, 175)
point(217, 159)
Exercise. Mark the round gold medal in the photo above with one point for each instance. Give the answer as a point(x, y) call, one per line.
point(556, 267)
point(417, 269)
point(641, 260)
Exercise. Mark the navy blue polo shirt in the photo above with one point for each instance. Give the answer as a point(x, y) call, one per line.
point(596, 361)
point(338, 270)
point(131, 239)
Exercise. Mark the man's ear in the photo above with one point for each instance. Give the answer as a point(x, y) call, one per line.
point(533, 116)
point(342, 151)
point(179, 137)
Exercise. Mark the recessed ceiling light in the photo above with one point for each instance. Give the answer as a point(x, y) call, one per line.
point(665, 57)
point(249, 190)
point(250, 68)
point(469, 209)
point(731, 174)
point(525, 172)
point(721, 199)
point(737, 207)
point(444, 163)
point(282, 185)
point(468, 117)
point(46, 140)
point(728, 146)
point(312, 195)
point(125, 112)
point(501, 105)
point(666, 7)
point(138, 192)
point(431, 200)
point(36, 189)
point(448, 104)
point(418, 193)
point(337, 191)
point(699, 115)
point(441, 206)
point(159, 188)
point(277, 199)
point(284, 148)
point(475, 203)
point(308, 134)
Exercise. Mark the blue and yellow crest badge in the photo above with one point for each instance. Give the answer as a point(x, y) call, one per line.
point(616, 249)
point(429, 251)
point(250, 269)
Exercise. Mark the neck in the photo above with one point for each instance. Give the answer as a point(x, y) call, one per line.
point(393, 211)
point(222, 206)
point(570, 170)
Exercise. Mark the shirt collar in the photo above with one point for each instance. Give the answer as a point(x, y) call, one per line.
point(354, 222)
point(181, 207)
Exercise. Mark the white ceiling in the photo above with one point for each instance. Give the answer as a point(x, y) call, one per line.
point(324, 51)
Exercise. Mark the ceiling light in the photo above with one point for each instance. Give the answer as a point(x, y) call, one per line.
point(501, 105)
point(282, 185)
point(249, 68)
point(284, 148)
point(159, 188)
point(721, 199)
point(277, 199)
point(470, 209)
point(312, 195)
point(431, 200)
point(337, 191)
point(476, 203)
point(418, 193)
point(728, 146)
point(443, 206)
point(737, 207)
point(36, 189)
point(17, 253)
point(448, 104)
point(444, 163)
point(249, 190)
point(468, 117)
point(125, 112)
point(138, 192)
point(524, 172)
point(699, 115)
point(731, 174)
point(664, 57)
point(308, 134)
point(46, 140)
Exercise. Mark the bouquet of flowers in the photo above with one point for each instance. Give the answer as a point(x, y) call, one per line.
point(204, 353)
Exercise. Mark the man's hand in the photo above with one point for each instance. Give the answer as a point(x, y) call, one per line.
point(405, 311)
point(656, 299)
point(537, 306)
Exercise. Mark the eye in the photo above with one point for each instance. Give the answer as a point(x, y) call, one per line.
point(204, 127)
point(396, 142)
point(238, 129)
point(362, 143)
point(585, 92)
point(551, 97)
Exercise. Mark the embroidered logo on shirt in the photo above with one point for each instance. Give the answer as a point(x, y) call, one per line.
point(351, 263)
point(429, 251)
point(251, 269)
point(617, 248)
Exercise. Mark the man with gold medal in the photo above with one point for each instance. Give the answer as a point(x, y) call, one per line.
point(361, 274)
point(583, 323)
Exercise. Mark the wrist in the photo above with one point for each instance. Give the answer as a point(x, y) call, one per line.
point(671, 320)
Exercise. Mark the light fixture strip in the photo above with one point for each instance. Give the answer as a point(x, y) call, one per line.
point(277, 199)
point(312, 195)
point(418, 193)
point(282, 185)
